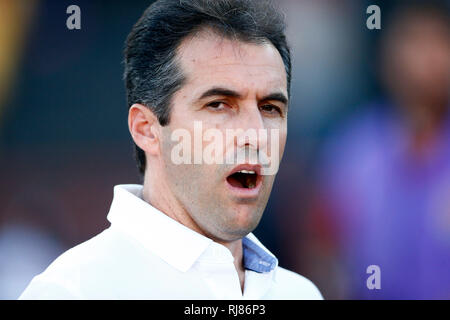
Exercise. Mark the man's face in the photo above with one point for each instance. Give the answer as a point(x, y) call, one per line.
point(229, 85)
point(418, 58)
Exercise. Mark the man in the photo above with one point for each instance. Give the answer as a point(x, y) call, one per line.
point(193, 67)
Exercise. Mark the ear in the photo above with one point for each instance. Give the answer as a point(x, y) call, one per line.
point(144, 128)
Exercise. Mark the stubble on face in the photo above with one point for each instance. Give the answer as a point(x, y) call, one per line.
point(200, 189)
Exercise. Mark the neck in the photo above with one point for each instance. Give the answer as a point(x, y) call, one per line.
point(236, 250)
point(160, 196)
point(423, 120)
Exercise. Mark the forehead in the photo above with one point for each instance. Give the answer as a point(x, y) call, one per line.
point(208, 59)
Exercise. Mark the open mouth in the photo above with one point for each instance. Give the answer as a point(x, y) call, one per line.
point(247, 179)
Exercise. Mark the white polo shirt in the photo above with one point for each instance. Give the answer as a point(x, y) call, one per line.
point(145, 254)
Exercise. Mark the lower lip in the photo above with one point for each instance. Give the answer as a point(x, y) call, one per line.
point(246, 193)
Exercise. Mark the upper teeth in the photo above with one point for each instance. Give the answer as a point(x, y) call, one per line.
point(247, 171)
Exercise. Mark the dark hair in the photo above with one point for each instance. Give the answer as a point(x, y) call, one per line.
point(152, 73)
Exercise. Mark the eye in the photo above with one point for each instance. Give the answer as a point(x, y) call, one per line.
point(217, 105)
point(271, 109)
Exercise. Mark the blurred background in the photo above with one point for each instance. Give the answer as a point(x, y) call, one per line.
point(365, 179)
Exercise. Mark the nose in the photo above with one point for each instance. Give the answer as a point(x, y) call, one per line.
point(251, 127)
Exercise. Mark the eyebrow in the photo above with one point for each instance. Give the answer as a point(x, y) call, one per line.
point(219, 91)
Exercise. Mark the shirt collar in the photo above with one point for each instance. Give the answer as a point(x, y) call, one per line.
point(175, 243)
point(256, 257)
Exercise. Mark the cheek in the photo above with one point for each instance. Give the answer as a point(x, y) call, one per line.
point(195, 178)
point(283, 136)
point(278, 142)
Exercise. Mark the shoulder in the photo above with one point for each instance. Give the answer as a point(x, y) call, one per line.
point(64, 277)
point(84, 254)
point(291, 285)
point(111, 265)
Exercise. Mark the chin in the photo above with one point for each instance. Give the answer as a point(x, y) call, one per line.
point(243, 222)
